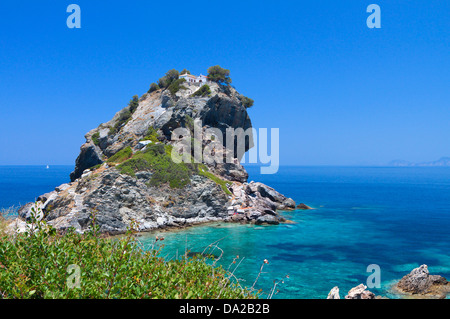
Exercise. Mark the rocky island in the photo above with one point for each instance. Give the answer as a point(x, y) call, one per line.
point(125, 171)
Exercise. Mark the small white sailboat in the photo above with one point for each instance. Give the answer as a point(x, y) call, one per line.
point(47, 167)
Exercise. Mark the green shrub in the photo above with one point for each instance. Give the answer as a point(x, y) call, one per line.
point(185, 71)
point(153, 87)
point(95, 138)
point(121, 155)
point(157, 159)
point(163, 82)
point(219, 75)
point(152, 135)
point(134, 103)
point(172, 75)
point(205, 90)
point(93, 168)
point(176, 85)
point(246, 102)
point(42, 264)
point(166, 81)
point(202, 170)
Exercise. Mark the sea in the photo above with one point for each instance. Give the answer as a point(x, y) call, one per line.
point(369, 225)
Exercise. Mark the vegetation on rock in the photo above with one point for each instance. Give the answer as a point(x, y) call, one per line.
point(219, 75)
point(222, 183)
point(246, 102)
point(121, 155)
point(153, 87)
point(205, 90)
point(95, 138)
point(171, 76)
point(134, 103)
point(124, 117)
point(176, 85)
point(152, 135)
point(156, 159)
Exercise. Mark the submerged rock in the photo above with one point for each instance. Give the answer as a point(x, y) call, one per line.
point(303, 206)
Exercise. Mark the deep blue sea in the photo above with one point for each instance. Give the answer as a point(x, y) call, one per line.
point(397, 218)
point(23, 184)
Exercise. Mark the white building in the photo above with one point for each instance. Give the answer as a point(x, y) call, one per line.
point(201, 79)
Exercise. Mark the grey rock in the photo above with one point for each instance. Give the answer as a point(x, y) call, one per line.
point(142, 144)
point(43, 198)
point(89, 156)
point(334, 293)
point(273, 198)
point(360, 292)
point(270, 212)
point(267, 219)
point(62, 187)
point(24, 212)
point(420, 282)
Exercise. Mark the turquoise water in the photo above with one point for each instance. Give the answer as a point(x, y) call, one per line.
point(397, 218)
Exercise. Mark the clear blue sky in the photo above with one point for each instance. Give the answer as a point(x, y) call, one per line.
point(341, 93)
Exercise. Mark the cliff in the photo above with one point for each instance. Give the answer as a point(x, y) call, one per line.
point(125, 171)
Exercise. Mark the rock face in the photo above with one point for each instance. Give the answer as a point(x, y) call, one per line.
point(89, 156)
point(360, 292)
point(420, 283)
point(99, 191)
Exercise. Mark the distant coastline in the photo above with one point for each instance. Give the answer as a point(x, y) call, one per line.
point(442, 162)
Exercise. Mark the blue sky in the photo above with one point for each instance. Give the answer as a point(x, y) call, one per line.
point(341, 93)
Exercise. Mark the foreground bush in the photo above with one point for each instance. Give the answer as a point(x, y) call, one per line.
point(43, 264)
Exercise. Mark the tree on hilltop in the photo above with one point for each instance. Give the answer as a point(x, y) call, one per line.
point(134, 103)
point(219, 75)
point(153, 87)
point(171, 76)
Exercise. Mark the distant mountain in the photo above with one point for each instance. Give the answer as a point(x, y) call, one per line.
point(444, 161)
point(400, 163)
